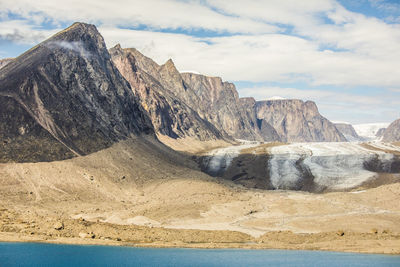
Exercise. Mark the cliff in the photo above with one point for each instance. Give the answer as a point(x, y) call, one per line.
point(298, 121)
point(348, 131)
point(169, 114)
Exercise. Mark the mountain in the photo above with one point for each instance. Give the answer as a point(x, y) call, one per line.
point(368, 131)
point(348, 131)
point(219, 103)
point(392, 132)
point(5, 61)
point(380, 132)
point(298, 121)
point(65, 98)
point(189, 105)
point(260, 126)
point(170, 116)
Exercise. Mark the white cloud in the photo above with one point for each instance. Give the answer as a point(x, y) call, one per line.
point(291, 12)
point(156, 14)
point(22, 32)
point(77, 47)
point(267, 57)
point(353, 50)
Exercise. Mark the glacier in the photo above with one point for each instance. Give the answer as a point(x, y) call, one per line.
point(320, 166)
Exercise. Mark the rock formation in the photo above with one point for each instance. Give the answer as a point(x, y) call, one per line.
point(187, 104)
point(392, 133)
point(65, 97)
point(298, 121)
point(260, 126)
point(348, 131)
point(380, 132)
point(5, 61)
point(219, 103)
point(169, 114)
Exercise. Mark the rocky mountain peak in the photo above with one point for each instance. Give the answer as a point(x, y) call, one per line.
point(392, 132)
point(171, 75)
point(156, 87)
point(66, 98)
point(298, 121)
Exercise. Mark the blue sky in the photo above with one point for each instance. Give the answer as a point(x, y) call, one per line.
point(342, 54)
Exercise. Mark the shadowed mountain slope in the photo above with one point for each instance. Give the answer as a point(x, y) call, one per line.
point(63, 98)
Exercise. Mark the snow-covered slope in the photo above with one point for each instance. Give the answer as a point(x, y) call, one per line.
point(368, 131)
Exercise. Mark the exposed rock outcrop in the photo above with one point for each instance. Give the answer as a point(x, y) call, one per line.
point(298, 121)
point(187, 104)
point(219, 103)
point(65, 97)
point(348, 131)
point(392, 133)
point(260, 126)
point(5, 61)
point(380, 132)
point(169, 114)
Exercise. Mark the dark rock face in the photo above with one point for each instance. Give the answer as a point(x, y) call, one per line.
point(392, 132)
point(65, 97)
point(348, 131)
point(169, 114)
point(5, 61)
point(298, 121)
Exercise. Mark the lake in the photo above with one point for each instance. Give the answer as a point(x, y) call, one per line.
point(37, 254)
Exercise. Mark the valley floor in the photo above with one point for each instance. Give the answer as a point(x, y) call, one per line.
point(118, 197)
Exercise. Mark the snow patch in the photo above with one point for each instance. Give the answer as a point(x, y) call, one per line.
point(276, 98)
point(369, 130)
point(190, 71)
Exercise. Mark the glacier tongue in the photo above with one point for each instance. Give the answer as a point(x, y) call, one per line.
point(327, 165)
point(311, 167)
point(219, 159)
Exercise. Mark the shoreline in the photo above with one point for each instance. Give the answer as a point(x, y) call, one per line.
point(362, 248)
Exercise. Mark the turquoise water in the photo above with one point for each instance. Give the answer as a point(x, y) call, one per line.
point(35, 254)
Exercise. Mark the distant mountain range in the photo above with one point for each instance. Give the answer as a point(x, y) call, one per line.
point(71, 96)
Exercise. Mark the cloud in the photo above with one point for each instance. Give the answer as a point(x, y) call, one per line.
point(22, 32)
point(155, 14)
point(77, 47)
point(325, 43)
point(270, 57)
point(315, 42)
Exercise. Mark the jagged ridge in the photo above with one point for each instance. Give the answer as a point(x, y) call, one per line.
point(64, 97)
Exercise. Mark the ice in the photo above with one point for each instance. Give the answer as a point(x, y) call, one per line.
point(218, 160)
point(368, 131)
point(332, 165)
